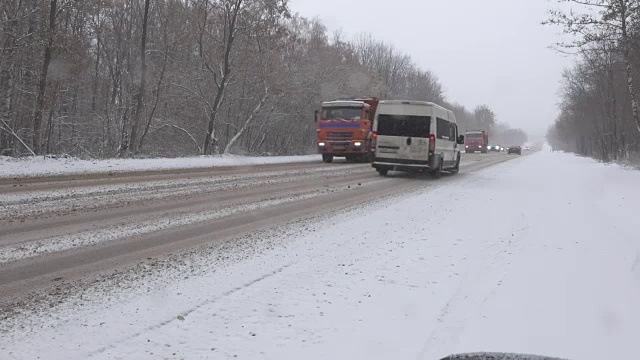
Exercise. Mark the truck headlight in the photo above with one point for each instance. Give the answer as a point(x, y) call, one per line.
point(357, 143)
point(321, 144)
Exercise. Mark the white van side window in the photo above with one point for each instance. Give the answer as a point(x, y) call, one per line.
point(444, 129)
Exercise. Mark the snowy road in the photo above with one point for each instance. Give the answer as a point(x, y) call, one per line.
point(501, 258)
point(61, 232)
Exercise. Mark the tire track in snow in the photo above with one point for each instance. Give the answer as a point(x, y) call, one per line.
point(189, 311)
point(635, 268)
point(465, 303)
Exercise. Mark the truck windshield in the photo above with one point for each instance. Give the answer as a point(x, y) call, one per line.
point(404, 125)
point(474, 136)
point(342, 113)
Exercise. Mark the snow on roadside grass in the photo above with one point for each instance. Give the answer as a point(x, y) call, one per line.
point(42, 166)
point(538, 255)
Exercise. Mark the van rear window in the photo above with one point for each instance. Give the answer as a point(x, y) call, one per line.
point(404, 125)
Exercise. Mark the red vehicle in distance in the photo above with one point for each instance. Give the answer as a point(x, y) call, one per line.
point(476, 140)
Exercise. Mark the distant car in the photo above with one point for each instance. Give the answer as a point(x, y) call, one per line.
point(526, 148)
point(494, 148)
point(514, 150)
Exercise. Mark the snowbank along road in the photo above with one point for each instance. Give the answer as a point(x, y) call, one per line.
point(42, 166)
point(62, 233)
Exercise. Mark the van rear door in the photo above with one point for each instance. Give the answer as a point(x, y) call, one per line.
point(446, 140)
point(404, 137)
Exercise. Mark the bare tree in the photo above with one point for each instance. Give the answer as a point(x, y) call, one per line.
point(137, 115)
point(603, 21)
point(220, 70)
point(599, 107)
point(165, 61)
point(484, 116)
point(42, 87)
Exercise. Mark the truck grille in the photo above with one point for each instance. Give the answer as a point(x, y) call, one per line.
point(340, 134)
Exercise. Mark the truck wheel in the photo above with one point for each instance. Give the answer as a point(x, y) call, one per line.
point(327, 158)
point(383, 171)
point(365, 158)
point(368, 157)
point(437, 172)
point(456, 169)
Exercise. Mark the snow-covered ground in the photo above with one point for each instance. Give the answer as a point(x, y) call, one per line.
point(537, 255)
point(43, 166)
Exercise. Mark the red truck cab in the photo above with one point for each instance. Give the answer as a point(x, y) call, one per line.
point(476, 140)
point(344, 129)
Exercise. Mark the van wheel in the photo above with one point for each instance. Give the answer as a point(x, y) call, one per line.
point(327, 158)
point(456, 169)
point(383, 172)
point(437, 173)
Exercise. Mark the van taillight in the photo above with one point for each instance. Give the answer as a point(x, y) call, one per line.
point(374, 135)
point(432, 144)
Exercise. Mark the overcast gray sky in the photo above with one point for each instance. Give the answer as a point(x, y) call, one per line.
point(490, 51)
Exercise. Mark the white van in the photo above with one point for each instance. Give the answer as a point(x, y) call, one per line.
point(416, 136)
